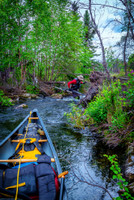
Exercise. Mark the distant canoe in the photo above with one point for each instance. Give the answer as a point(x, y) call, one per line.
point(29, 165)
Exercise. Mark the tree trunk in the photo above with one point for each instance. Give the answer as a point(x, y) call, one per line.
point(101, 42)
point(124, 50)
point(52, 73)
point(128, 5)
point(124, 55)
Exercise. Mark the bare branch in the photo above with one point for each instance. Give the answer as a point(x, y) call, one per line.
point(95, 185)
point(125, 3)
point(109, 6)
point(103, 5)
point(84, 181)
point(89, 175)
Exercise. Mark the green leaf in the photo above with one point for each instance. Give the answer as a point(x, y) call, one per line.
point(114, 176)
point(118, 198)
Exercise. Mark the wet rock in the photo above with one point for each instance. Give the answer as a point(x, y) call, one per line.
point(28, 96)
point(131, 187)
point(34, 96)
point(131, 149)
point(129, 172)
point(22, 106)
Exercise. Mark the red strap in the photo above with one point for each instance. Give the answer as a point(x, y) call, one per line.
point(56, 181)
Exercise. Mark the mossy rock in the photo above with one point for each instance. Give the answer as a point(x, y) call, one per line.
point(57, 96)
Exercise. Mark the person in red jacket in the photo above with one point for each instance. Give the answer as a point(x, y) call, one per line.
point(75, 83)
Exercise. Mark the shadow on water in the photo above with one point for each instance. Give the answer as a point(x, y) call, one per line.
point(8, 126)
point(79, 152)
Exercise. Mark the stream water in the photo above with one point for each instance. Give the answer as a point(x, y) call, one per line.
point(78, 150)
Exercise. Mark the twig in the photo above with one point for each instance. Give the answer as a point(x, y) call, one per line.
point(95, 185)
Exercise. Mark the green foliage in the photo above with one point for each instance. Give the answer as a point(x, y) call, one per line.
point(114, 64)
point(107, 106)
point(32, 89)
point(4, 101)
point(122, 183)
point(41, 38)
point(131, 61)
point(97, 110)
point(76, 116)
point(110, 57)
point(129, 93)
point(58, 41)
point(85, 60)
point(88, 29)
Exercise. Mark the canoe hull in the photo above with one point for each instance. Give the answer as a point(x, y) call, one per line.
point(9, 144)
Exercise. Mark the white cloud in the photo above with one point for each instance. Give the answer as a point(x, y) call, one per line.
point(110, 39)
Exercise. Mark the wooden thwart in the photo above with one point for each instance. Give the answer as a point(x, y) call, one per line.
point(38, 140)
point(23, 160)
point(33, 117)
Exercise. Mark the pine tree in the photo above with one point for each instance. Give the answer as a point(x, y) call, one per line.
point(89, 31)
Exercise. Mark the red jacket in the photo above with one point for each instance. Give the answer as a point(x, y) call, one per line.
point(74, 81)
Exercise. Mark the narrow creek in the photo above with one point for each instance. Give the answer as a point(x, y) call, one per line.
point(78, 150)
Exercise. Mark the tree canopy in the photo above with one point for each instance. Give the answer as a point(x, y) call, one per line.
point(40, 38)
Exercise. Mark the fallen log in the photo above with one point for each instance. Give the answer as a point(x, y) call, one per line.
point(92, 92)
point(54, 82)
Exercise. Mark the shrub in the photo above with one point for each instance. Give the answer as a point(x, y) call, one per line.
point(129, 93)
point(32, 89)
point(121, 182)
point(76, 116)
point(4, 101)
point(107, 107)
point(97, 110)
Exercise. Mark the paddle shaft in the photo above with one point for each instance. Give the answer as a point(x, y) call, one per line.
point(23, 160)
